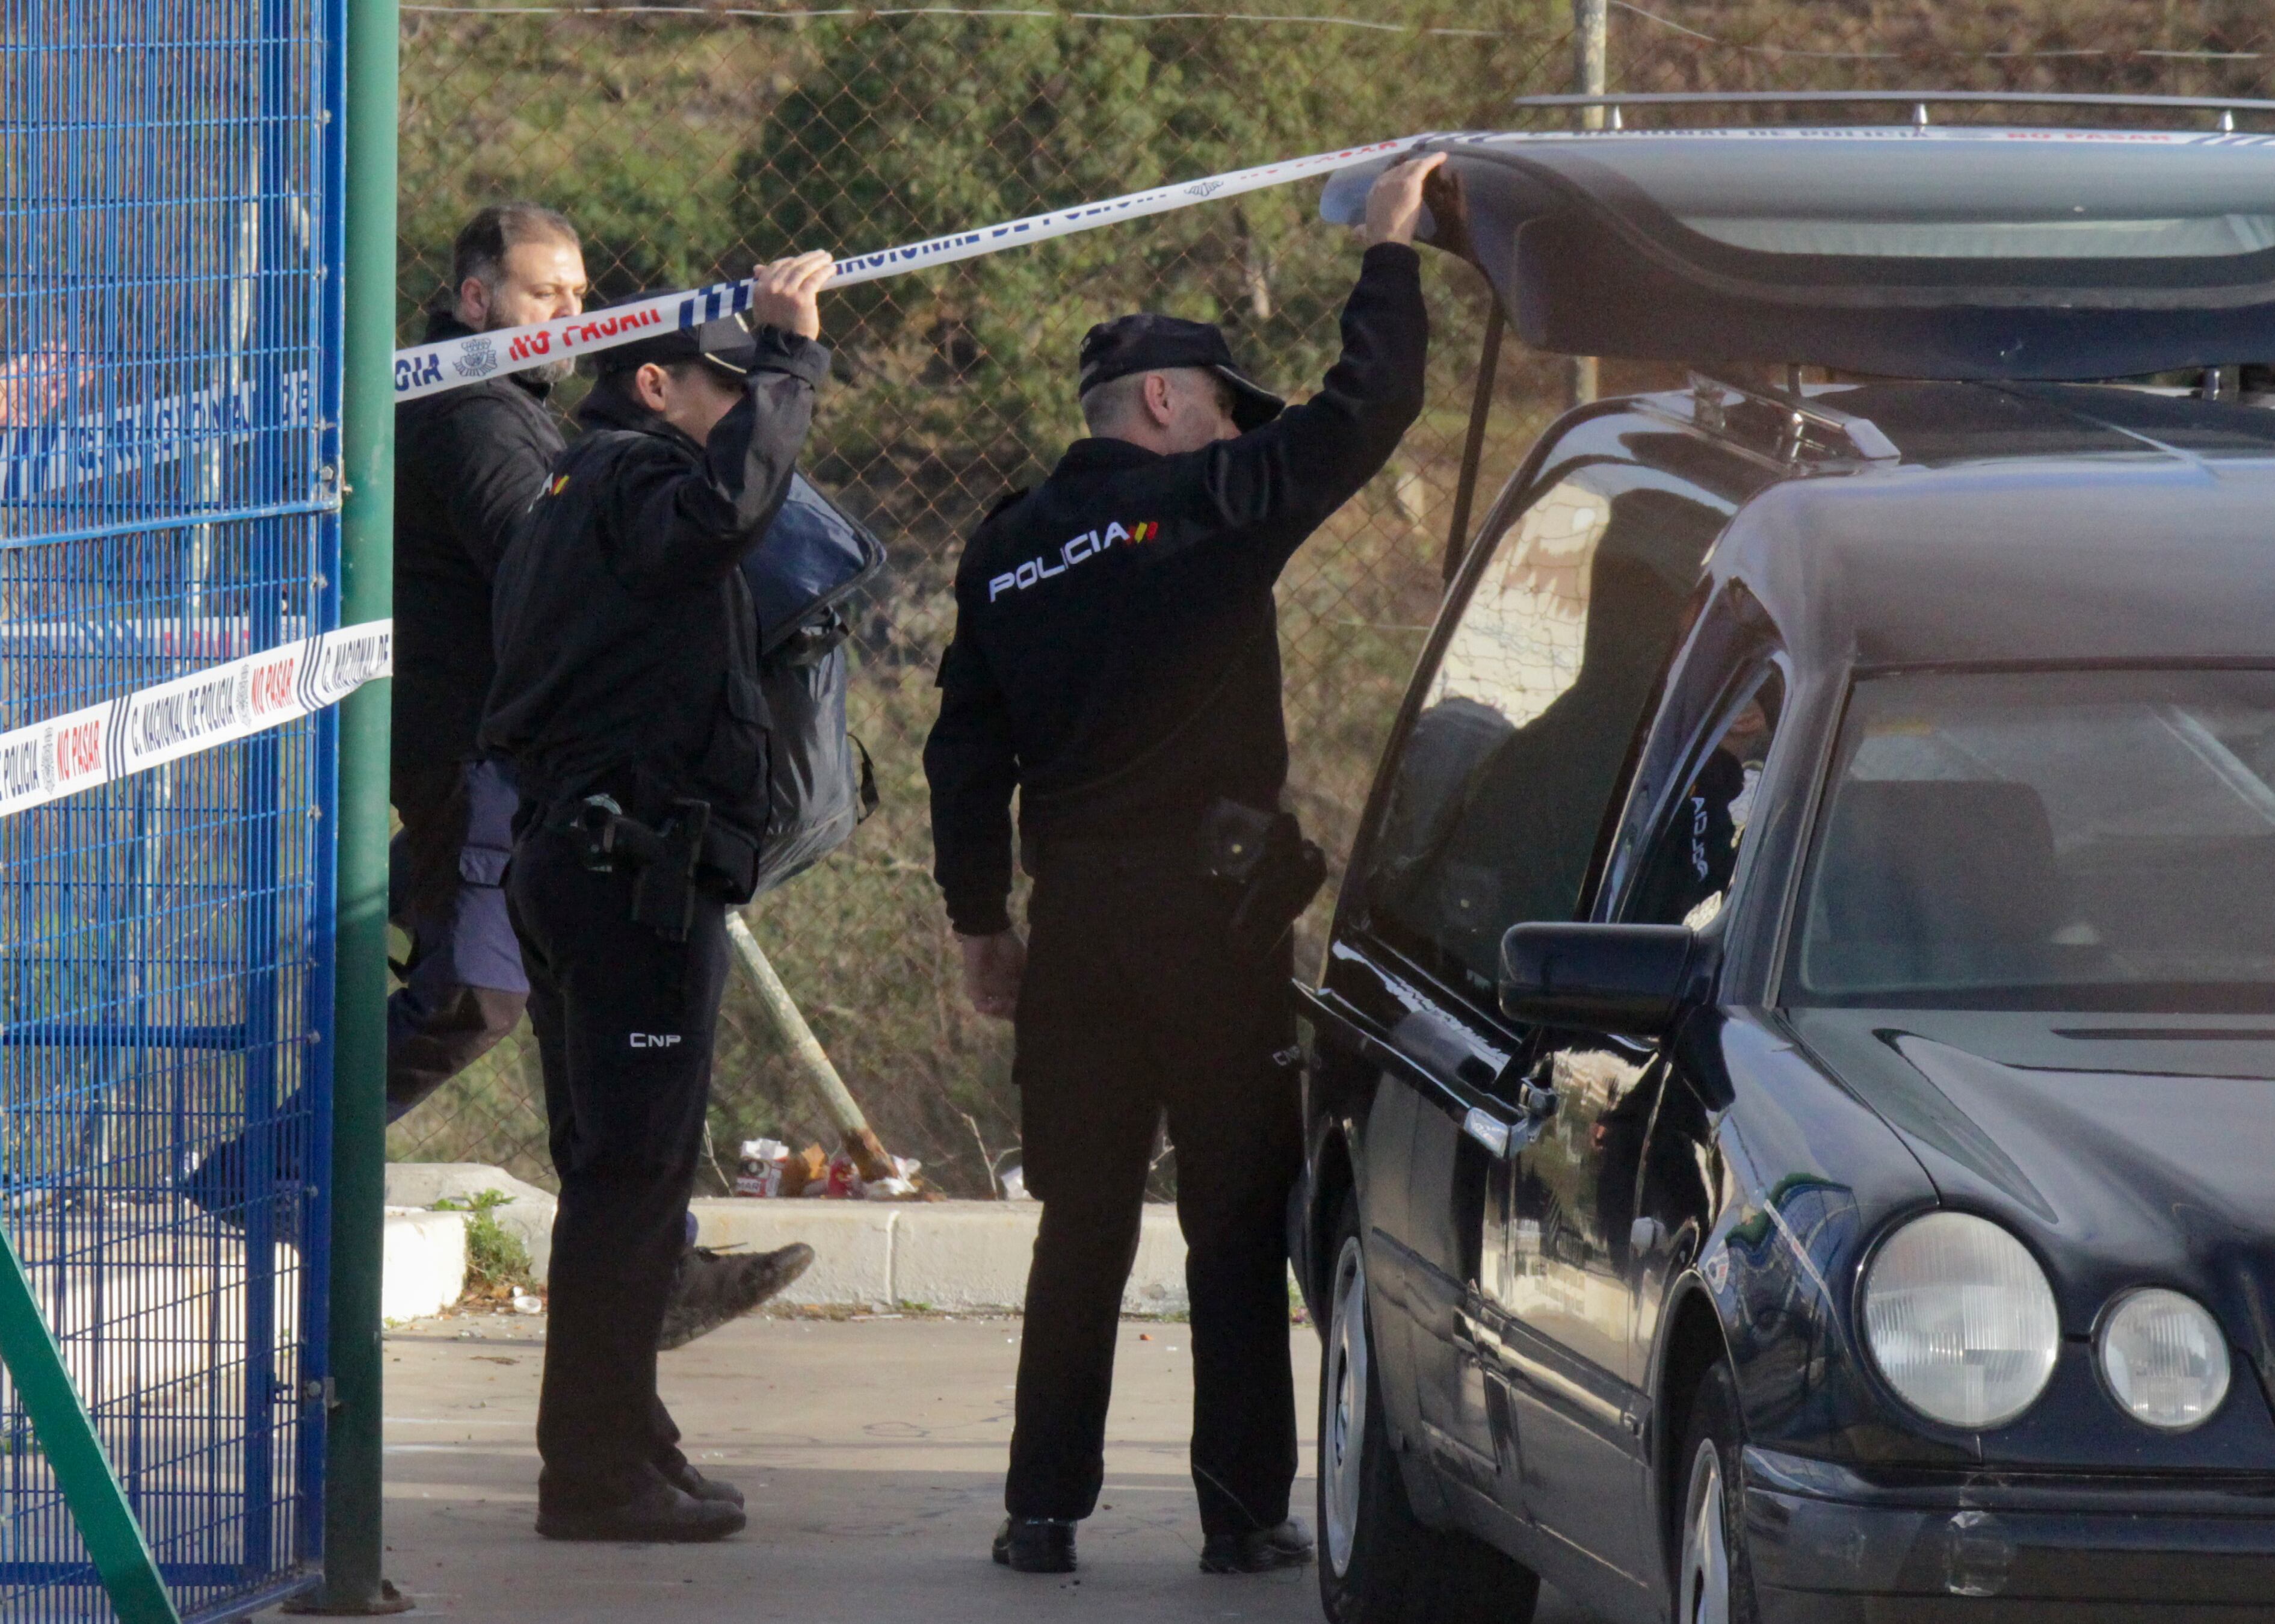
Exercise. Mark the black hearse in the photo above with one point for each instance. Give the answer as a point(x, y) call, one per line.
point(1791, 1092)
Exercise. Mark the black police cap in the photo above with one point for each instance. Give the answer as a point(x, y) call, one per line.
point(726, 346)
point(1149, 342)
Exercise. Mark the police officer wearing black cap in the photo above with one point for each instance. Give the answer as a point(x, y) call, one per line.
point(627, 701)
point(1116, 661)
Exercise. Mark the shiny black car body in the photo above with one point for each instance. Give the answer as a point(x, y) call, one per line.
point(1730, 678)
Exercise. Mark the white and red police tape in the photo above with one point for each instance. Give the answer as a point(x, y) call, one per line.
point(224, 703)
point(218, 706)
point(424, 369)
point(65, 754)
point(46, 459)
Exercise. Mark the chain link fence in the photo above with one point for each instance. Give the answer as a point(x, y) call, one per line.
point(688, 141)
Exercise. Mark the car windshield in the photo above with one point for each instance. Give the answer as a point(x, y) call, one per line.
point(2047, 839)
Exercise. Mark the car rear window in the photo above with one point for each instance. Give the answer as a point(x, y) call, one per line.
point(2046, 840)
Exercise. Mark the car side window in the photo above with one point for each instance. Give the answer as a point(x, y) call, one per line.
point(1686, 874)
point(1502, 784)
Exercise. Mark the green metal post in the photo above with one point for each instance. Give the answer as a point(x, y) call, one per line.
point(353, 1582)
point(67, 1437)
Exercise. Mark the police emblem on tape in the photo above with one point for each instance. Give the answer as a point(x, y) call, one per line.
point(477, 358)
point(1088, 545)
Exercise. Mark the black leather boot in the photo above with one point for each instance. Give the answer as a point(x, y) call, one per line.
point(660, 1513)
point(1036, 1544)
point(1260, 1551)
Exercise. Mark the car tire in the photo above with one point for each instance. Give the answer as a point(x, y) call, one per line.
point(1378, 1563)
point(1713, 1570)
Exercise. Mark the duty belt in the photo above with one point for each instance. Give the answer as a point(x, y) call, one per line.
point(1257, 860)
point(1123, 853)
point(727, 855)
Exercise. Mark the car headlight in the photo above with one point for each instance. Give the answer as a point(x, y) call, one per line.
point(2165, 1359)
point(1961, 1321)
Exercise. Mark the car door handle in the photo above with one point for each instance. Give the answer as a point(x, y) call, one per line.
point(1489, 1130)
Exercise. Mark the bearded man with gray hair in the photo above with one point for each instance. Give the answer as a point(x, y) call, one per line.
point(469, 461)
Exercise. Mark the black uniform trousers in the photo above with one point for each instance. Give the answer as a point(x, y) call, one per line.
point(625, 1021)
point(1132, 1005)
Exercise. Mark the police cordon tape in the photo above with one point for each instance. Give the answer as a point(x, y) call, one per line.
point(43, 459)
point(425, 369)
point(218, 706)
point(46, 459)
point(98, 743)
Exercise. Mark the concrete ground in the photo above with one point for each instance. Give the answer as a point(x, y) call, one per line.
point(872, 1451)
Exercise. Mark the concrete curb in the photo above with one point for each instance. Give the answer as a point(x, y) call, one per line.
point(956, 1256)
point(962, 1257)
point(425, 1270)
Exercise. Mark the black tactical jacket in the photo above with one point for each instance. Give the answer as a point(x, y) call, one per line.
point(1116, 656)
point(627, 646)
point(468, 462)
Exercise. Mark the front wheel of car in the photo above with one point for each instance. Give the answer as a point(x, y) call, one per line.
point(1714, 1573)
point(1378, 1563)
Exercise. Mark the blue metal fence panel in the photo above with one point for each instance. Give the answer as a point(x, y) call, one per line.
point(169, 403)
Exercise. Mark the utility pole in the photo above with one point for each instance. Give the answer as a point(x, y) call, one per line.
point(1590, 25)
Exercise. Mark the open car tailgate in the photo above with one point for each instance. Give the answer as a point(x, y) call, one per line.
point(1958, 252)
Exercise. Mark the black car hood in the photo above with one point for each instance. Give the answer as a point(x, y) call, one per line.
point(2129, 1151)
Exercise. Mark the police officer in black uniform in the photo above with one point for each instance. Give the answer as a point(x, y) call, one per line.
point(470, 461)
point(627, 701)
point(1116, 660)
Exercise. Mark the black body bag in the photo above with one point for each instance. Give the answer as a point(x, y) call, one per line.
point(814, 559)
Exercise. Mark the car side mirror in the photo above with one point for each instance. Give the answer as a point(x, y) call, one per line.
point(1629, 979)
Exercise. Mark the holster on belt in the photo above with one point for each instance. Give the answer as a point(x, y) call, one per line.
point(663, 860)
point(1271, 870)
